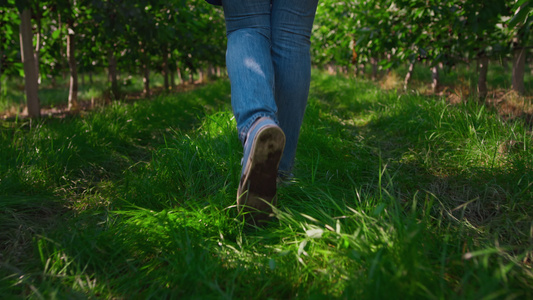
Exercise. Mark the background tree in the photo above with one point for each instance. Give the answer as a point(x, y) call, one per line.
point(69, 9)
point(519, 33)
point(28, 59)
point(441, 34)
point(109, 28)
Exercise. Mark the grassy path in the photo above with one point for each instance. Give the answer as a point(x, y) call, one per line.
point(395, 196)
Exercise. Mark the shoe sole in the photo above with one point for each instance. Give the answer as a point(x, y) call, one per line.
point(257, 190)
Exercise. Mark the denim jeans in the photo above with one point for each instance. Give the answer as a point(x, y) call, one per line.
point(269, 64)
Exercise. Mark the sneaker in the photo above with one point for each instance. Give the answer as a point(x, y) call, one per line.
point(262, 153)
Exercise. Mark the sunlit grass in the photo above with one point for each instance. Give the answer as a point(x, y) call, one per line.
point(394, 196)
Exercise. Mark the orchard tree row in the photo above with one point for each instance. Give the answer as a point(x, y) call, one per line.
point(389, 33)
point(52, 37)
point(48, 38)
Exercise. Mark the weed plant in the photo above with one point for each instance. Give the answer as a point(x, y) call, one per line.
point(394, 196)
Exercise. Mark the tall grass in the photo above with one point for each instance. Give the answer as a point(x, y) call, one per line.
point(394, 196)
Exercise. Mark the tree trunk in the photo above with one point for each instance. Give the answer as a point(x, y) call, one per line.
point(146, 78)
point(61, 50)
point(173, 80)
point(519, 61)
point(3, 41)
point(28, 59)
point(210, 72)
point(483, 67)
point(166, 71)
point(505, 64)
point(180, 76)
point(389, 59)
point(435, 80)
point(1, 62)
point(71, 57)
point(38, 47)
point(409, 74)
point(360, 70)
point(201, 75)
point(374, 63)
point(113, 74)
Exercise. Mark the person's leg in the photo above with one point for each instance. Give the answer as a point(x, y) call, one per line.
point(249, 62)
point(251, 73)
point(292, 22)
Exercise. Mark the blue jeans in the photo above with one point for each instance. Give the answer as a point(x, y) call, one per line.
point(269, 64)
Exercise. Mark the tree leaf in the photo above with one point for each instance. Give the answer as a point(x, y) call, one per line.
point(56, 34)
point(521, 14)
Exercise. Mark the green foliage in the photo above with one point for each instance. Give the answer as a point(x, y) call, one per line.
point(396, 32)
point(9, 57)
point(523, 10)
point(189, 34)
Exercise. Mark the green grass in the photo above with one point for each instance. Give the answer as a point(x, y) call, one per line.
point(395, 196)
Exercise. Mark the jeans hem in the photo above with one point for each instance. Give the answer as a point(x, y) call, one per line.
point(244, 132)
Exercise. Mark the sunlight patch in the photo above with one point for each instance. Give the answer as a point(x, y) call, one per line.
point(251, 64)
